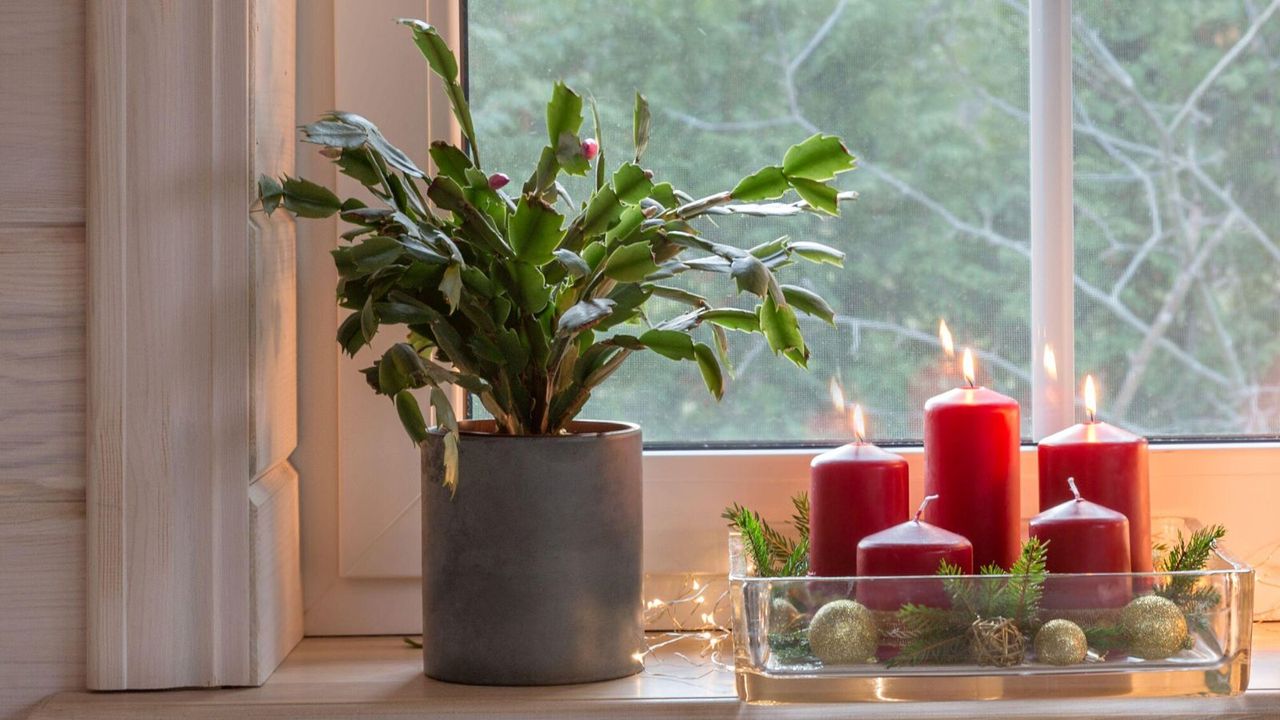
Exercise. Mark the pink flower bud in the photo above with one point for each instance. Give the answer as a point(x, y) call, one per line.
point(648, 174)
point(497, 181)
point(590, 148)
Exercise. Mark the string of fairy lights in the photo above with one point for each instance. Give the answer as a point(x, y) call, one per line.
point(690, 619)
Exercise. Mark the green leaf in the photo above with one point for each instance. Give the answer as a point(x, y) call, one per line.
point(782, 330)
point(584, 315)
point(349, 335)
point(309, 200)
point(394, 156)
point(570, 155)
point(479, 228)
point(710, 367)
point(368, 320)
point(532, 293)
point(817, 252)
point(630, 263)
point(665, 194)
point(640, 122)
point(411, 416)
point(809, 302)
point(270, 193)
point(733, 318)
point(375, 253)
point(602, 210)
point(451, 286)
point(679, 295)
point(572, 262)
point(450, 161)
point(669, 343)
point(766, 184)
point(628, 222)
point(630, 183)
point(356, 163)
point(820, 157)
point(335, 134)
point(441, 60)
point(750, 274)
point(819, 195)
point(564, 113)
point(535, 230)
point(544, 175)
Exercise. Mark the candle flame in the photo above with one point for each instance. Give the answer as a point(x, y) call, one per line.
point(1090, 398)
point(837, 395)
point(967, 365)
point(859, 423)
point(1050, 362)
point(944, 335)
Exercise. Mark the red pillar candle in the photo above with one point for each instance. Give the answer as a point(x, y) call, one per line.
point(854, 490)
point(971, 438)
point(1109, 466)
point(910, 548)
point(1083, 537)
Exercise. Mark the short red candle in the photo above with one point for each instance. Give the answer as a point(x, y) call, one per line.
point(971, 439)
point(1083, 537)
point(1109, 465)
point(910, 548)
point(854, 490)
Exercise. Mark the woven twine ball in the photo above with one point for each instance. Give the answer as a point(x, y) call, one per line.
point(997, 642)
point(783, 616)
point(1154, 626)
point(1061, 642)
point(843, 632)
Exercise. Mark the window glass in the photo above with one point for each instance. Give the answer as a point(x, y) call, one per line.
point(931, 97)
point(1177, 177)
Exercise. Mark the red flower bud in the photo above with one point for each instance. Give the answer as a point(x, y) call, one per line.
point(590, 148)
point(497, 181)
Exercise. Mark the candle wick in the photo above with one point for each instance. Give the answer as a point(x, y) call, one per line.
point(927, 499)
point(1071, 482)
point(1092, 416)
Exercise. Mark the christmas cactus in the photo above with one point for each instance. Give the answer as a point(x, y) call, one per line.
point(528, 300)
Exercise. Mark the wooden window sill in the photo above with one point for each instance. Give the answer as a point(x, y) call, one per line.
point(382, 678)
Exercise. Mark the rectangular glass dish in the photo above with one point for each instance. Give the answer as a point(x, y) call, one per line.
point(956, 643)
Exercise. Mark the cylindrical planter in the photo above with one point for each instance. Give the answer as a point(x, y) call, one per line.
point(531, 573)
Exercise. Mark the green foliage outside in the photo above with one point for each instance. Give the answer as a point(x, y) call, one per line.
point(1176, 187)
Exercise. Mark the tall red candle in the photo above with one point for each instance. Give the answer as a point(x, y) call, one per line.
point(854, 491)
point(910, 548)
point(971, 438)
point(1083, 537)
point(1109, 465)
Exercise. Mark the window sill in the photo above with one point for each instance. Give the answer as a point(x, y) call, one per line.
point(382, 678)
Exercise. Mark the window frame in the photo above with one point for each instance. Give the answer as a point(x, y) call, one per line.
point(686, 489)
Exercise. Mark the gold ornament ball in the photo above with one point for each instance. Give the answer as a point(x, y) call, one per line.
point(1154, 626)
point(843, 632)
point(996, 641)
point(1061, 642)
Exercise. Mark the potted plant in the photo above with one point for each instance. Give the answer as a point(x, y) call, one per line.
point(532, 519)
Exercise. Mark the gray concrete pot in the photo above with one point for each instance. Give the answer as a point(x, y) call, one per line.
point(531, 574)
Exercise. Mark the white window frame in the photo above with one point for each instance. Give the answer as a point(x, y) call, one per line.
point(685, 491)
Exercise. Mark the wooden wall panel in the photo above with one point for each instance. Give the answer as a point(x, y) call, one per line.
point(41, 363)
point(42, 111)
point(192, 361)
point(41, 602)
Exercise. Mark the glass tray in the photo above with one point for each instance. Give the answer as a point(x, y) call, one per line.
point(774, 662)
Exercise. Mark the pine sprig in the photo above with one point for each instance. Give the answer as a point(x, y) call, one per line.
point(772, 553)
point(932, 635)
point(1019, 598)
point(800, 501)
point(1188, 554)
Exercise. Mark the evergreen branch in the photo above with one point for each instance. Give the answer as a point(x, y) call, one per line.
point(1188, 555)
point(797, 564)
point(933, 635)
point(801, 517)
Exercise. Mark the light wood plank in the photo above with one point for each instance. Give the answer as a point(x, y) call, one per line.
point(42, 111)
point(382, 678)
point(42, 364)
point(190, 334)
point(277, 569)
point(41, 602)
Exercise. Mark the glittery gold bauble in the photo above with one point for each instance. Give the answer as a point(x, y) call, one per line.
point(996, 641)
point(1061, 642)
point(1154, 626)
point(842, 632)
